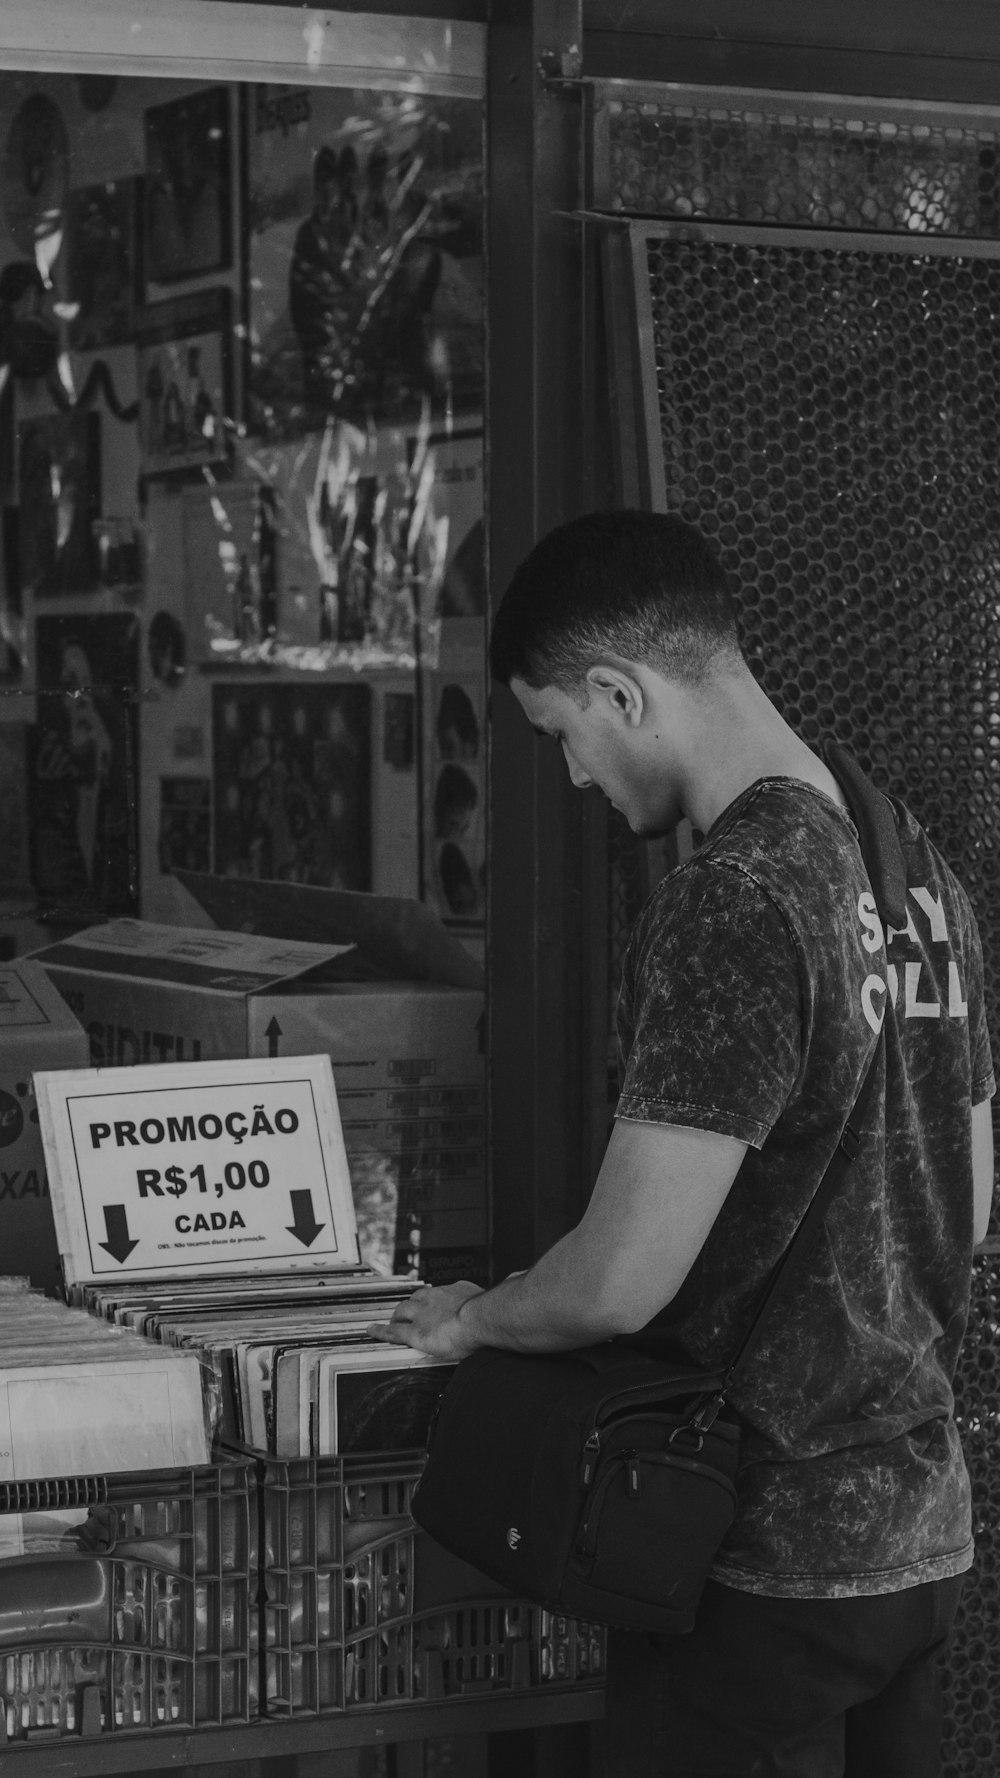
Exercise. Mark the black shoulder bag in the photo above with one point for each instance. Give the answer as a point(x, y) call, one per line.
point(599, 1483)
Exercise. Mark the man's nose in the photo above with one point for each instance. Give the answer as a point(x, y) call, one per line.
point(578, 776)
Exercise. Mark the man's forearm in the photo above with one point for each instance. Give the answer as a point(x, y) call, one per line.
point(550, 1308)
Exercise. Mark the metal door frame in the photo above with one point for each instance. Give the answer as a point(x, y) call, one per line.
point(640, 461)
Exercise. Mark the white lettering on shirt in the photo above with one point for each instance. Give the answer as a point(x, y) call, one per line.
point(873, 937)
point(907, 931)
point(913, 1006)
point(873, 984)
point(958, 1006)
point(932, 907)
point(873, 987)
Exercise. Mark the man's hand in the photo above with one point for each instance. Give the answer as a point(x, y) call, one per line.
point(430, 1320)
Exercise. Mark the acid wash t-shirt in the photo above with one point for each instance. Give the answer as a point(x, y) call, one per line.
point(754, 985)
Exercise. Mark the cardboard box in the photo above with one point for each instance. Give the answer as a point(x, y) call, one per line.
point(37, 1031)
point(408, 1062)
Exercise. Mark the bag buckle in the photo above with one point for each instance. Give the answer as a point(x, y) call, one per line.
point(685, 1432)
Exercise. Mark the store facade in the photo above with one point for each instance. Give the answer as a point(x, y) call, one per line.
point(312, 323)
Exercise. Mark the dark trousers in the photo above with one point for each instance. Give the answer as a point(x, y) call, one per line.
point(784, 1688)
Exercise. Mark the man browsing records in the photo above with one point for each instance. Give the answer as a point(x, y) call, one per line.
point(755, 983)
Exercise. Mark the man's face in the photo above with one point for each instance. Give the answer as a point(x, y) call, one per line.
point(601, 747)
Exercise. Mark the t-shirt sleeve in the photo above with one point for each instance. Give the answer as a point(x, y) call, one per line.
point(710, 1013)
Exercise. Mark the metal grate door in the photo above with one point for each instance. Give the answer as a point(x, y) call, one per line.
point(823, 400)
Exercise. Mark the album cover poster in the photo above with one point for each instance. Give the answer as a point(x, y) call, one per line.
point(185, 839)
point(292, 790)
point(455, 779)
point(16, 699)
point(103, 269)
point(347, 543)
point(8, 454)
point(60, 498)
point(84, 767)
point(15, 872)
point(384, 1409)
point(366, 256)
point(185, 394)
point(188, 218)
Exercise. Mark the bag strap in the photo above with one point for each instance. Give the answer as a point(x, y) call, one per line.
point(876, 825)
point(886, 868)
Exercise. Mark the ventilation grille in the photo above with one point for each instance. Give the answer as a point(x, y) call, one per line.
point(972, 1671)
point(831, 419)
point(827, 409)
point(798, 167)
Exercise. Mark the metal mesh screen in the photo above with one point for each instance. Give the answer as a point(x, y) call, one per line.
point(972, 1672)
point(782, 163)
point(831, 418)
point(827, 408)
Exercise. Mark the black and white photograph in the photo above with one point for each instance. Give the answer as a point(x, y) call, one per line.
point(83, 772)
point(188, 210)
point(59, 482)
point(184, 363)
point(104, 272)
point(185, 838)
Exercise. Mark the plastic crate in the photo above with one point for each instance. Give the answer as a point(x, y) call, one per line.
point(363, 1609)
point(145, 1618)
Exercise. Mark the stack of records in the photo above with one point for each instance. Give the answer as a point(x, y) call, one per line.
point(78, 1399)
point(207, 1207)
point(296, 1370)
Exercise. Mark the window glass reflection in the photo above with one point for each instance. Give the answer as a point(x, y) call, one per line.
point(241, 576)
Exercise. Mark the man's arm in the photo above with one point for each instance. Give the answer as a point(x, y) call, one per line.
point(982, 1168)
point(657, 1195)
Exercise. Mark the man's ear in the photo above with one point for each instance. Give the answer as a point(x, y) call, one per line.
point(621, 689)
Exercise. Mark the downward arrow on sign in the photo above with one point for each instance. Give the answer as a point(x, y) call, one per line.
point(118, 1243)
point(304, 1226)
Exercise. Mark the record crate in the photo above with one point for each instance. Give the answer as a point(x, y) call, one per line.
point(144, 1617)
point(361, 1609)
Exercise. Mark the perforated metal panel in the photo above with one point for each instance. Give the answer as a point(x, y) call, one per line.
point(788, 159)
point(829, 414)
point(972, 1672)
point(826, 407)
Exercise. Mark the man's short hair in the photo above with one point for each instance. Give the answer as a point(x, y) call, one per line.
point(643, 585)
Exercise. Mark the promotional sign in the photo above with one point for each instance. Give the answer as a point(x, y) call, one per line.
point(190, 1168)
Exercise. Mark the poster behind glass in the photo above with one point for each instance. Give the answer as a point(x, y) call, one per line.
point(241, 389)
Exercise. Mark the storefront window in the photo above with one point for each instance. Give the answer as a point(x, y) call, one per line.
point(241, 604)
point(242, 664)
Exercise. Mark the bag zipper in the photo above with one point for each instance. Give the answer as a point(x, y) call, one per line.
point(631, 1401)
point(631, 1459)
point(591, 1452)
